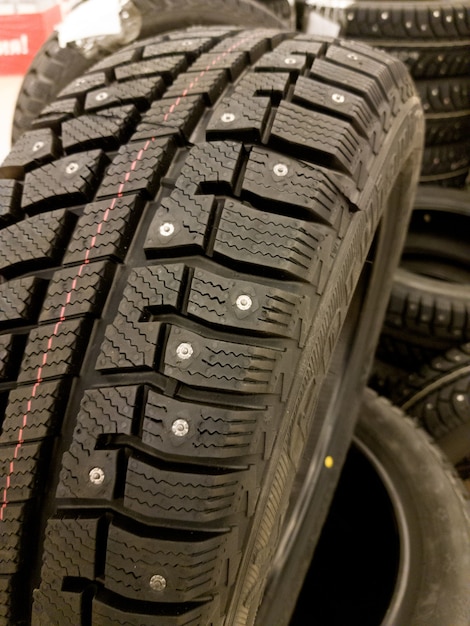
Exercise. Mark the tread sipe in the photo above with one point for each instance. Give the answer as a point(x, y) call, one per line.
point(196, 248)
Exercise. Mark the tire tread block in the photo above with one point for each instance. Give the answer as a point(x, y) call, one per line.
point(10, 199)
point(104, 129)
point(219, 365)
point(34, 412)
point(137, 168)
point(282, 244)
point(163, 118)
point(34, 148)
point(103, 412)
point(165, 67)
point(68, 181)
point(54, 350)
point(20, 301)
point(303, 185)
point(104, 230)
point(76, 292)
point(40, 239)
point(192, 569)
point(131, 340)
point(140, 92)
point(184, 497)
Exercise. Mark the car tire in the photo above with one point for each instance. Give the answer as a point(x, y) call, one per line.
point(396, 541)
point(196, 251)
point(429, 307)
point(437, 395)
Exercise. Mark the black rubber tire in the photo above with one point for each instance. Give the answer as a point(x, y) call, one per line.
point(438, 396)
point(446, 103)
point(385, 377)
point(433, 39)
point(429, 307)
point(447, 165)
point(180, 322)
point(54, 67)
point(396, 543)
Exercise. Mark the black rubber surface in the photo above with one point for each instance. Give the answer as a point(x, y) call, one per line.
point(192, 267)
point(438, 395)
point(433, 40)
point(429, 307)
point(54, 66)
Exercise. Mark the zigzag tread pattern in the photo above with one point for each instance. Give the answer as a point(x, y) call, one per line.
point(71, 180)
point(62, 344)
point(104, 129)
point(137, 167)
point(161, 494)
point(69, 550)
point(283, 244)
point(192, 48)
point(302, 185)
point(42, 405)
point(138, 92)
point(164, 118)
point(33, 148)
point(77, 291)
point(337, 102)
point(19, 300)
point(243, 304)
point(57, 112)
point(131, 340)
point(221, 365)
point(84, 84)
point(22, 474)
point(350, 80)
point(10, 543)
point(112, 61)
point(189, 214)
point(9, 201)
point(119, 217)
point(249, 117)
point(167, 67)
point(6, 354)
point(104, 411)
point(232, 62)
point(39, 239)
point(54, 607)
point(193, 569)
point(317, 131)
point(210, 84)
point(215, 162)
point(212, 432)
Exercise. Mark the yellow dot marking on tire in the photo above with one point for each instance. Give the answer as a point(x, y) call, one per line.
point(329, 462)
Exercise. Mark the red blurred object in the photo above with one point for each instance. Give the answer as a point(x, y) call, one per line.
point(23, 33)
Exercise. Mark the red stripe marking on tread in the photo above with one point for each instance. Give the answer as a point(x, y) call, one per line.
point(86, 260)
